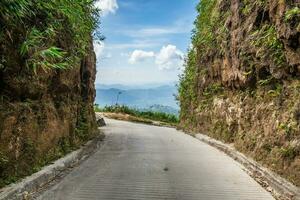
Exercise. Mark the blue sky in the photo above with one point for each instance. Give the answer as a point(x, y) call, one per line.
point(146, 40)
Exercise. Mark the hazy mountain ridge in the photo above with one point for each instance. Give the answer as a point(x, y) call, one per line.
point(157, 99)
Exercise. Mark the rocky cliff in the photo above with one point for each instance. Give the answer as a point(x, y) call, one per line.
point(241, 83)
point(47, 74)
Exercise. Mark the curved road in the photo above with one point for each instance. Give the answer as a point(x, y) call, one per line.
point(139, 162)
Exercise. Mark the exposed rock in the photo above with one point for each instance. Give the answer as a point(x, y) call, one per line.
point(101, 122)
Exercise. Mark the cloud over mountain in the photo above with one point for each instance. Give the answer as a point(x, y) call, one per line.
point(139, 55)
point(107, 6)
point(169, 57)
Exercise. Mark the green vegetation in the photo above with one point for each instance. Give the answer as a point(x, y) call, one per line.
point(268, 44)
point(210, 30)
point(3, 162)
point(186, 88)
point(213, 89)
point(289, 152)
point(28, 160)
point(40, 29)
point(82, 127)
point(37, 39)
point(290, 14)
point(156, 116)
point(248, 5)
point(240, 83)
point(207, 40)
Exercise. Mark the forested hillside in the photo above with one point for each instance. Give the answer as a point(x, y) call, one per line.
point(47, 73)
point(241, 82)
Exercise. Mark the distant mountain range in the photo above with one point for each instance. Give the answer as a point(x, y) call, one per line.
point(131, 87)
point(156, 99)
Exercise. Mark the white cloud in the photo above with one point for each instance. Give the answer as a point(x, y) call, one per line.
point(107, 6)
point(169, 57)
point(99, 48)
point(139, 55)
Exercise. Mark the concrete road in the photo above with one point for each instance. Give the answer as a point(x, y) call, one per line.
point(138, 162)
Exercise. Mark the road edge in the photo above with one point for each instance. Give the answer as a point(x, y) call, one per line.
point(22, 190)
point(278, 186)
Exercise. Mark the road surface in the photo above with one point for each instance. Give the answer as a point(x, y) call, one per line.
point(141, 162)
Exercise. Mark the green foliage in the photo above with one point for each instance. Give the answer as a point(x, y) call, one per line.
point(268, 44)
point(276, 91)
point(3, 160)
point(186, 88)
point(156, 116)
point(97, 108)
point(265, 81)
point(32, 164)
point(209, 38)
point(205, 23)
point(289, 128)
point(292, 13)
point(248, 5)
point(82, 127)
point(212, 89)
point(289, 152)
point(210, 30)
point(49, 34)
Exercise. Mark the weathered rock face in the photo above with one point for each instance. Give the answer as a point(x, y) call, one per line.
point(241, 84)
point(44, 114)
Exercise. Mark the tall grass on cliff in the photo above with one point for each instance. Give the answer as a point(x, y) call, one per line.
point(40, 30)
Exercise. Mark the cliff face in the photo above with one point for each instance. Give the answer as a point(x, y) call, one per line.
point(47, 74)
point(241, 83)
point(44, 116)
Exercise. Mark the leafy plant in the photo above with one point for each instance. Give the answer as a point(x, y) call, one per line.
point(186, 88)
point(213, 89)
point(3, 160)
point(290, 14)
point(40, 29)
point(265, 81)
point(277, 91)
point(268, 44)
point(289, 152)
point(82, 126)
